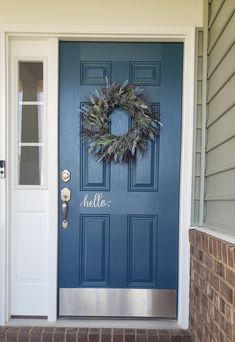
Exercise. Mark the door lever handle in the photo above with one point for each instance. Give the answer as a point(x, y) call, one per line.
point(65, 213)
point(65, 197)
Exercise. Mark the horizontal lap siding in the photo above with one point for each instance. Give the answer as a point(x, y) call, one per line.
point(221, 214)
point(222, 74)
point(220, 149)
point(221, 186)
point(222, 102)
point(220, 22)
point(222, 46)
point(221, 158)
point(214, 9)
point(222, 130)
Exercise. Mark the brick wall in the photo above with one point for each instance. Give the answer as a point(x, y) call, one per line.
point(212, 289)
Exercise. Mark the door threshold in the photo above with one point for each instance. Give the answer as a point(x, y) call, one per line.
point(108, 323)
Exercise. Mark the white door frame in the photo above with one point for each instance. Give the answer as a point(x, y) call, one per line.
point(99, 33)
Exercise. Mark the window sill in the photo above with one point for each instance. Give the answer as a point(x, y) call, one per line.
point(218, 233)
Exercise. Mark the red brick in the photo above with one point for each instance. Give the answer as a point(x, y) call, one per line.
point(59, 334)
point(191, 237)
point(201, 255)
point(226, 292)
point(205, 243)
point(230, 277)
point(211, 245)
point(219, 268)
point(214, 281)
point(214, 248)
point(12, 334)
point(94, 337)
point(230, 254)
point(71, 335)
point(219, 249)
point(222, 305)
point(36, 334)
point(224, 252)
point(209, 261)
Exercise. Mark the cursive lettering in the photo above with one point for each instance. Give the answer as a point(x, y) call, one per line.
point(96, 202)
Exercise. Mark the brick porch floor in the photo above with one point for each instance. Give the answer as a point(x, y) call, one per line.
point(49, 334)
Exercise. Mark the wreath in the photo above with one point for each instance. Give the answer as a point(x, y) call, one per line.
point(97, 119)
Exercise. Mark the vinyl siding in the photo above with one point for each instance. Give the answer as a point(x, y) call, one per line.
point(220, 148)
point(198, 128)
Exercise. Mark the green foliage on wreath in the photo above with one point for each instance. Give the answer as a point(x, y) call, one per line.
point(97, 118)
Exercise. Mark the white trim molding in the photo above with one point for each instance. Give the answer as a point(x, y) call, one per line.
point(3, 193)
point(186, 180)
point(53, 178)
point(99, 33)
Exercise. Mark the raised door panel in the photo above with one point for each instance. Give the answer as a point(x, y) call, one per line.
point(95, 73)
point(95, 176)
point(142, 237)
point(143, 172)
point(94, 247)
point(29, 268)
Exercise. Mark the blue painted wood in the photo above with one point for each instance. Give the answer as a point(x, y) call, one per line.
point(145, 73)
point(94, 249)
point(123, 218)
point(143, 173)
point(94, 73)
point(120, 122)
point(93, 176)
point(142, 240)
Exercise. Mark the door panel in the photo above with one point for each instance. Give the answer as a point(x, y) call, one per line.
point(94, 237)
point(123, 218)
point(142, 234)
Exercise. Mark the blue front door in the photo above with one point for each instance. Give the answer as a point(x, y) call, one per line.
point(130, 243)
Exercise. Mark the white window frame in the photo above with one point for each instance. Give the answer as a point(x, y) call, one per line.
point(53, 33)
point(15, 109)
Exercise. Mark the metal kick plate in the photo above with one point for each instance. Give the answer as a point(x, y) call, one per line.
point(118, 302)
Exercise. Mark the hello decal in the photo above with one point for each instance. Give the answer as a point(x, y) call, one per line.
point(96, 202)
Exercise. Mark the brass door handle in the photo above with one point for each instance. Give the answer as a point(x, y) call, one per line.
point(65, 197)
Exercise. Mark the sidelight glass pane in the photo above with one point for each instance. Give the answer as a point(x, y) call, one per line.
point(31, 81)
point(30, 124)
point(30, 160)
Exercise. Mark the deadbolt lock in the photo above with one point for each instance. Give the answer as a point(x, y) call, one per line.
point(65, 176)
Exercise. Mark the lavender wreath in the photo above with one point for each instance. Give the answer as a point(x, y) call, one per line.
point(97, 116)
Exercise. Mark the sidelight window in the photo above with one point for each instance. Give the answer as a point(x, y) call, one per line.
point(30, 123)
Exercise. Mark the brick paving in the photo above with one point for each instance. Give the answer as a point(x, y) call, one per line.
point(49, 334)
